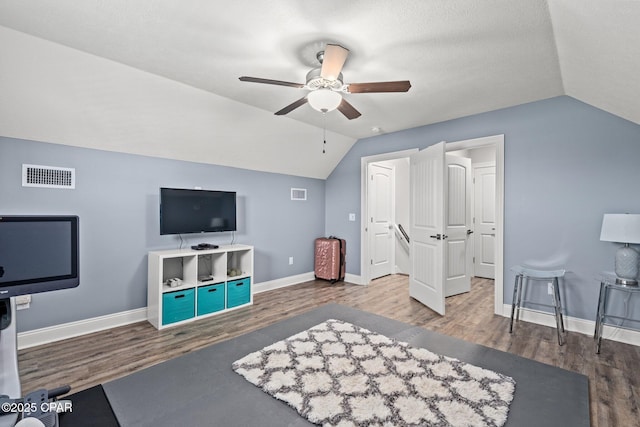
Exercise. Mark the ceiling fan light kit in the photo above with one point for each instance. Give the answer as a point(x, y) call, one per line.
point(324, 100)
point(326, 85)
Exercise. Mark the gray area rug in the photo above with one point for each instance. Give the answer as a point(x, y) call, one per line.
point(201, 388)
point(336, 374)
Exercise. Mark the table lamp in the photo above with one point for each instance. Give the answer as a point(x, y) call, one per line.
point(623, 228)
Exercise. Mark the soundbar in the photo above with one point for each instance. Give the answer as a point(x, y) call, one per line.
point(202, 246)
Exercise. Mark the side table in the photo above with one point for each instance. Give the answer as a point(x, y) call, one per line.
point(607, 285)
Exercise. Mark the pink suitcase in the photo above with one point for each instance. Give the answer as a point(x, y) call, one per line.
point(330, 258)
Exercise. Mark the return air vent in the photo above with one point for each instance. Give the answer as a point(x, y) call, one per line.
point(298, 194)
point(48, 176)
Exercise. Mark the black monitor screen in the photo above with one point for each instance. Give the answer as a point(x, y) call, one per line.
point(196, 211)
point(38, 254)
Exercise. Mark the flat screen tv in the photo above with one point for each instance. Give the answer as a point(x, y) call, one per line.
point(185, 211)
point(38, 254)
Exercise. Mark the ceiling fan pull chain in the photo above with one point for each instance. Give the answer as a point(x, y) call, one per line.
point(324, 132)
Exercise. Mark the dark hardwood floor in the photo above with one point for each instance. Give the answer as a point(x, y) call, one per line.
point(82, 362)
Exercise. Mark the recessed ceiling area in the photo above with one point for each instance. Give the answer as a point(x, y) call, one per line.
point(462, 57)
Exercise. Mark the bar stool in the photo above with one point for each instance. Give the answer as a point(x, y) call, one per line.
point(524, 275)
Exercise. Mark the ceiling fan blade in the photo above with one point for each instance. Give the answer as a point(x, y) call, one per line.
point(300, 102)
point(348, 110)
point(398, 86)
point(270, 82)
point(333, 61)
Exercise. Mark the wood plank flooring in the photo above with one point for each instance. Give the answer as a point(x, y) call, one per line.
point(82, 362)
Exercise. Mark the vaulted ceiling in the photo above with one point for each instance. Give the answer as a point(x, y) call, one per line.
point(180, 62)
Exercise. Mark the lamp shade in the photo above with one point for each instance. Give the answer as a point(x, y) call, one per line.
point(621, 228)
point(324, 100)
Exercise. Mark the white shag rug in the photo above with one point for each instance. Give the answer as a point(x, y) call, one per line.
point(339, 374)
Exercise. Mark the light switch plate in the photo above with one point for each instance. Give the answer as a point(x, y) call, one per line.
point(23, 302)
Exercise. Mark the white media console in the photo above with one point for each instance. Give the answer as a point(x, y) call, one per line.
point(210, 282)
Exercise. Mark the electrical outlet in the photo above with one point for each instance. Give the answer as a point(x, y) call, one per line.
point(352, 217)
point(550, 288)
point(23, 302)
point(290, 260)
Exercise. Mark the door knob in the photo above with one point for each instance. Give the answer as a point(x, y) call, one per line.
point(439, 236)
point(469, 232)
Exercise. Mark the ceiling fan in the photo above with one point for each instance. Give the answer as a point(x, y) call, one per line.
point(325, 85)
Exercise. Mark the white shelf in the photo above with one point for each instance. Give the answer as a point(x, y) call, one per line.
point(167, 288)
point(188, 265)
point(211, 281)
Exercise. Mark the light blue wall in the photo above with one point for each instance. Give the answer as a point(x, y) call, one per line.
point(566, 164)
point(117, 200)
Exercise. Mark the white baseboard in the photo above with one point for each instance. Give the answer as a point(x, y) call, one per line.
point(81, 327)
point(73, 329)
point(283, 282)
point(294, 280)
point(353, 278)
point(574, 324)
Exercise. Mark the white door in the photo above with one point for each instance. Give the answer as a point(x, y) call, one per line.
point(458, 250)
point(426, 223)
point(485, 221)
point(381, 220)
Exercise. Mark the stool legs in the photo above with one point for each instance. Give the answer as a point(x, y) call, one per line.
point(520, 292)
point(516, 304)
point(514, 300)
point(602, 303)
point(599, 311)
point(557, 306)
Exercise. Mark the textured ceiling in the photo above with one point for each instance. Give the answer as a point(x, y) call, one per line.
point(461, 56)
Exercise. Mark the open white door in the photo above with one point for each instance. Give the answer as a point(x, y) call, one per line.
point(457, 227)
point(428, 181)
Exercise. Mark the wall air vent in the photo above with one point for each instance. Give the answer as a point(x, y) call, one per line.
point(48, 176)
point(298, 194)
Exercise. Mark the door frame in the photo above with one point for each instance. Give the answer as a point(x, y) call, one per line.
point(496, 141)
point(365, 256)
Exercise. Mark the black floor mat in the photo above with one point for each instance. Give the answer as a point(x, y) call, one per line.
point(90, 408)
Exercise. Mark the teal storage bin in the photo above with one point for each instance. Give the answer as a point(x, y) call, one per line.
point(238, 292)
point(210, 298)
point(178, 305)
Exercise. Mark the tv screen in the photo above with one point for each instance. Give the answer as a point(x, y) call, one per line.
point(38, 254)
point(196, 211)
